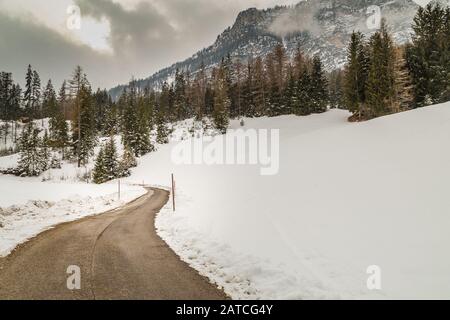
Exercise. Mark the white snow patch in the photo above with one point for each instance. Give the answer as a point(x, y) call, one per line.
point(348, 196)
point(22, 219)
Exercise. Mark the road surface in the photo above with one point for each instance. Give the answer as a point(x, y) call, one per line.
point(119, 254)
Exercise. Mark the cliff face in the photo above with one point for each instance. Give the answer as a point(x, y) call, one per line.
point(320, 27)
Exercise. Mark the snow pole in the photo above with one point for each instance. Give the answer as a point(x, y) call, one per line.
point(118, 186)
point(173, 193)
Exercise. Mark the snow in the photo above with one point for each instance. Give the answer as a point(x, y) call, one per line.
point(57, 203)
point(348, 196)
point(29, 206)
point(9, 141)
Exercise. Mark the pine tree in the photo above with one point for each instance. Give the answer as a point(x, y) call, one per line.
point(36, 95)
point(101, 105)
point(259, 88)
point(135, 121)
point(45, 150)
point(111, 120)
point(428, 54)
point(16, 101)
point(304, 105)
point(180, 100)
point(63, 99)
point(237, 89)
point(221, 102)
point(28, 94)
point(32, 161)
point(83, 135)
point(335, 89)
point(248, 93)
point(6, 93)
point(403, 90)
point(290, 94)
point(319, 86)
point(110, 160)
point(49, 101)
point(59, 129)
point(83, 130)
point(128, 161)
point(276, 70)
point(143, 143)
point(355, 78)
point(162, 132)
point(446, 54)
point(99, 174)
point(380, 84)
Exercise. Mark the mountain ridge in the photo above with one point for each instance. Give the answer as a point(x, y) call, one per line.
point(316, 26)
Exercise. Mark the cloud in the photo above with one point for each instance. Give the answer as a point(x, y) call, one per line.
point(296, 20)
point(143, 35)
point(24, 41)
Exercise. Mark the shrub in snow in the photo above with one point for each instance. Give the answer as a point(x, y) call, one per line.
point(33, 155)
point(55, 163)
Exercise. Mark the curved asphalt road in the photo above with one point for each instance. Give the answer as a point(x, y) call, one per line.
point(120, 256)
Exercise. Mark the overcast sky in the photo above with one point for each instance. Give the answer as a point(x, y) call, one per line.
point(117, 39)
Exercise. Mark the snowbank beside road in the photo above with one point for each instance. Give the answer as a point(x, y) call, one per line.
point(28, 208)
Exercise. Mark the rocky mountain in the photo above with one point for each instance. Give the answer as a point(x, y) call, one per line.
point(320, 27)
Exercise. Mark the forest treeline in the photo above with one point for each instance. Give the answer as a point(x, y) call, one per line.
point(379, 78)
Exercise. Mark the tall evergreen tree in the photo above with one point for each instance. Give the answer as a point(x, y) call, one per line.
point(162, 132)
point(381, 78)
point(110, 160)
point(99, 173)
point(319, 86)
point(127, 162)
point(259, 88)
point(221, 101)
point(6, 95)
point(36, 95)
point(304, 105)
point(28, 94)
point(83, 126)
point(32, 161)
point(428, 55)
point(335, 88)
point(403, 89)
point(63, 99)
point(49, 101)
point(355, 78)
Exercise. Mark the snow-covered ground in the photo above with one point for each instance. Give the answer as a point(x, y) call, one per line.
point(347, 196)
point(29, 206)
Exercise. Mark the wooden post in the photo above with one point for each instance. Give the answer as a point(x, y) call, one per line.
point(118, 185)
point(173, 193)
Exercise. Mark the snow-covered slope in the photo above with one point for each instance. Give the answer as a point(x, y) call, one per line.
point(348, 196)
